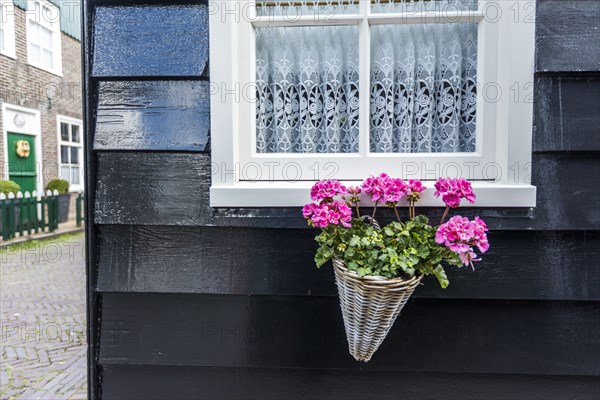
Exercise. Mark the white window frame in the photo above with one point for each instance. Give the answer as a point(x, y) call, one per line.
point(243, 178)
point(46, 15)
point(71, 121)
point(7, 23)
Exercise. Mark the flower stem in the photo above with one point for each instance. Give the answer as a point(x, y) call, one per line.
point(374, 210)
point(357, 210)
point(445, 215)
point(397, 214)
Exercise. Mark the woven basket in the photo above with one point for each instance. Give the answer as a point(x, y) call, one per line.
point(370, 306)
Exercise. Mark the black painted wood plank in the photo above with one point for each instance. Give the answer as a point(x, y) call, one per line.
point(513, 337)
point(568, 191)
point(173, 189)
point(567, 35)
point(161, 259)
point(169, 40)
point(130, 382)
point(152, 188)
point(567, 113)
point(92, 296)
point(152, 115)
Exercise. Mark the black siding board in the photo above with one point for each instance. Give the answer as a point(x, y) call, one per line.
point(516, 337)
point(150, 40)
point(93, 299)
point(152, 115)
point(568, 191)
point(153, 188)
point(496, 218)
point(520, 265)
point(173, 189)
point(133, 382)
point(567, 35)
point(567, 113)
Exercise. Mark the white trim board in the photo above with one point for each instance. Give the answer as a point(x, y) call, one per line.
point(59, 143)
point(296, 194)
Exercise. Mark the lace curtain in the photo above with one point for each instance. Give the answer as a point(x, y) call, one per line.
point(422, 94)
point(307, 82)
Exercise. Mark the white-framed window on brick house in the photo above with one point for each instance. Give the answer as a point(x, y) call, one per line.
point(310, 89)
point(7, 28)
point(44, 36)
point(70, 151)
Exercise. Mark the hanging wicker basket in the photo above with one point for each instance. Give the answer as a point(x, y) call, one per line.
point(370, 306)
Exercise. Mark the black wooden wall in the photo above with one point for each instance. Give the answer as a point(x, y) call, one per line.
point(190, 302)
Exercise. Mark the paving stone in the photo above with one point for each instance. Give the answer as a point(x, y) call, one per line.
point(42, 303)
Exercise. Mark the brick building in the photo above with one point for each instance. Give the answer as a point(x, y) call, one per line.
point(40, 93)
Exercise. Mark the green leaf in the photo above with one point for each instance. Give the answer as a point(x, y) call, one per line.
point(323, 255)
point(440, 274)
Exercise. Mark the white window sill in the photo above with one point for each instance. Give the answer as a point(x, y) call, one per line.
point(9, 54)
point(295, 194)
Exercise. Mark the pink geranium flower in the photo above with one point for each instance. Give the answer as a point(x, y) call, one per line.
point(416, 186)
point(384, 188)
point(327, 190)
point(354, 190)
point(328, 213)
point(453, 190)
point(460, 235)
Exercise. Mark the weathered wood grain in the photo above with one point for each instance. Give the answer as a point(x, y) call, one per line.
point(567, 35)
point(567, 113)
point(152, 188)
point(152, 115)
point(167, 40)
point(512, 337)
point(132, 382)
point(568, 191)
point(147, 259)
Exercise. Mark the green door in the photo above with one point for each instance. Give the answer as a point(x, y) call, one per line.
point(21, 161)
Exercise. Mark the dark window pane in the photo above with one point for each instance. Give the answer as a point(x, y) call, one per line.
point(64, 154)
point(75, 134)
point(74, 155)
point(64, 132)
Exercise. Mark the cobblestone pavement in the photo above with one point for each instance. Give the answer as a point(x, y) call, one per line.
point(42, 320)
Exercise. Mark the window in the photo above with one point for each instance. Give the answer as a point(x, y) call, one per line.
point(348, 88)
point(7, 28)
point(71, 152)
point(44, 37)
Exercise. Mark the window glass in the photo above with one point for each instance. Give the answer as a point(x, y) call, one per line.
point(64, 154)
point(70, 152)
point(65, 173)
point(46, 35)
point(423, 92)
point(310, 8)
point(75, 134)
point(75, 176)
point(74, 155)
point(47, 58)
point(35, 55)
point(419, 6)
point(307, 82)
point(64, 132)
